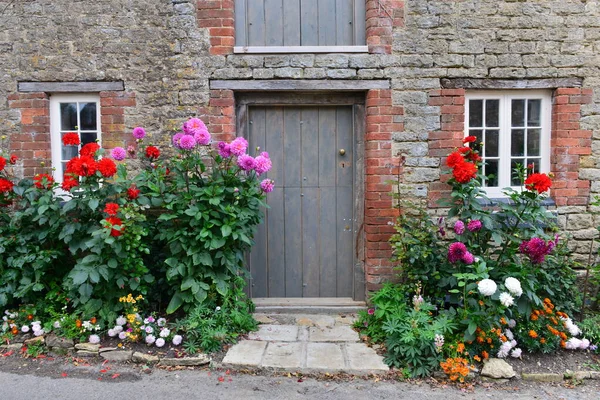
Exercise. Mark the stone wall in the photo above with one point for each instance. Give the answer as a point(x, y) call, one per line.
point(167, 51)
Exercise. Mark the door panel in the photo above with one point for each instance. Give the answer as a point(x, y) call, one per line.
point(305, 246)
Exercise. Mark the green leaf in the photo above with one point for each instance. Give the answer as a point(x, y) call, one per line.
point(226, 230)
point(217, 243)
point(188, 283)
point(42, 210)
point(192, 211)
point(93, 204)
point(112, 263)
point(85, 291)
point(472, 328)
point(79, 276)
point(175, 303)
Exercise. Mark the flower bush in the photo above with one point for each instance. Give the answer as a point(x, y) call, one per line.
point(496, 273)
point(174, 228)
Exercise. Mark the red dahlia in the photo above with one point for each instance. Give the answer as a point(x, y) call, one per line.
point(82, 166)
point(464, 172)
point(114, 221)
point(89, 150)
point(71, 139)
point(111, 209)
point(107, 167)
point(152, 152)
point(469, 139)
point(538, 182)
point(2, 163)
point(454, 159)
point(43, 181)
point(13, 159)
point(5, 185)
point(69, 182)
point(133, 192)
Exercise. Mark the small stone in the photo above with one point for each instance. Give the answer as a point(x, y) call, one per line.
point(103, 349)
point(263, 319)
point(85, 353)
point(144, 358)
point(200, 359)
point(57, 341)
point(579, 375)
point(37, 339)
point(118, 355)
point(543, 377)
point(304, 322)
point(497, 369)
point(13, 346)
point(87, 347)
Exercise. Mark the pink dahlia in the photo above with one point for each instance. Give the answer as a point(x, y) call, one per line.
point(187, 142)
point(224, 150)
point(468, 258)
point(263, 164)
point(456, 251)
point(193, 126)
point(474, 226)
point(139, 132)
point(536, 249)
point(246, 162)
point(202, 137)
point(459, 227)
point(118, 153)
point(267, 185)
point(238, 146)
point(176, 138)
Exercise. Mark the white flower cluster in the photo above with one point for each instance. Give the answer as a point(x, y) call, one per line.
point(509, 347)
point(513, 286)
point(575, 343)
point(487, 287)
point(506, 299)
point(88, 326)
point(571, 327)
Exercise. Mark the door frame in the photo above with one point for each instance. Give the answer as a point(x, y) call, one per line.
point(243, 100)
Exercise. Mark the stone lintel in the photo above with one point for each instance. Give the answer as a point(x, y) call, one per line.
point(551, 83)
point(70, 87)
point(297, 84)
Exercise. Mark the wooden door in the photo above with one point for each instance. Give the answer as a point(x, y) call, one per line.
point(305, 246)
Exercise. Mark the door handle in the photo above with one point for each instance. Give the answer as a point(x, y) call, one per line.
point(342, 152)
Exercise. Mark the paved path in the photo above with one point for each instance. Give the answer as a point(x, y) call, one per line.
point(307, 343)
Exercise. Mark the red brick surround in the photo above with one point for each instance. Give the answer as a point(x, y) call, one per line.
point(568, 142)
point(219, 115)
point(381, 167)
point(381, 17)
point(32, 143)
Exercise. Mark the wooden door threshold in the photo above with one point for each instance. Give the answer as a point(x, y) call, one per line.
point(308, 305)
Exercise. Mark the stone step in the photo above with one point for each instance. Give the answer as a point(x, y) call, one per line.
point(308, 305)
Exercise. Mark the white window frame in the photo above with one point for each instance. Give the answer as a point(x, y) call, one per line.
point(55, 125)
point(504, 141)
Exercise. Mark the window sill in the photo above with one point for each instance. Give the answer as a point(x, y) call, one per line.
point(491, 202)
point(299, 49)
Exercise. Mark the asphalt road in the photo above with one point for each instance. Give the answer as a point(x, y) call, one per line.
point(203, 384)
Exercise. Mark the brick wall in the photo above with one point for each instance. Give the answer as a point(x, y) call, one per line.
point(381, 167)
point(219, 115)
point(382, 16)
point(568, 144)
point(32, 143)
point(112, 115)
point(218, 17)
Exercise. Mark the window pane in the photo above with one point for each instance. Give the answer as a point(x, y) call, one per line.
point(491, 143)
point(87, 116)
point(492, 109)
point(68, 152)
point(515, 181)
point(68, 116)
point(517, 142)
point(533, 142)
point(491, 172)
point(518, 113)
point(534, 112)
point(88, 137)
point(475, 113)
point(535, 162)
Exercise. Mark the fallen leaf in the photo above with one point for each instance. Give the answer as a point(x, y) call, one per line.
point(227, 372)
point(115, 376)
point(103, 371)
point(221, 379)
point(64, 374)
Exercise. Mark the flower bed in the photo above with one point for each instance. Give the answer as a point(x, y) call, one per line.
point(491, 282)
point(86, 247)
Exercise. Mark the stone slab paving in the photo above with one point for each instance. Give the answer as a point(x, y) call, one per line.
point(306, 343)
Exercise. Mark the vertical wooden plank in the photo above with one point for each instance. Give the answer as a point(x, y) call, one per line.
point(327, 18)
point(344, 23)
point(276, 219)
point(309, 23)
point(310, 201)
point(358, 240)
point(327, 185)
point(258, 255)
point(345, 203)
point(292, 168)
point(310, 241)
point(255, 13)
point(360, 23)
point(274, 22)
point(240, 23)
point(291, 22)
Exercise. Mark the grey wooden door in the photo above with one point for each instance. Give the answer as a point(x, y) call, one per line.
point(305, 246)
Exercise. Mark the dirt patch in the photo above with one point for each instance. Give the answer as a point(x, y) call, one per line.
point(556, 363)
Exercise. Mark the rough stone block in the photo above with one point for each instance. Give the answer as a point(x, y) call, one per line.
point(118, 355)
point(200, 359)
point(326, 356)
point(336, 334)
point(361, 357)
point(275, 333)
point(284, 355)
point(246, 352)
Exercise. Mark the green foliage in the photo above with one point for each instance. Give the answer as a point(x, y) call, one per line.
point(389, 300)
point(220, 319)
point(591, 328)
